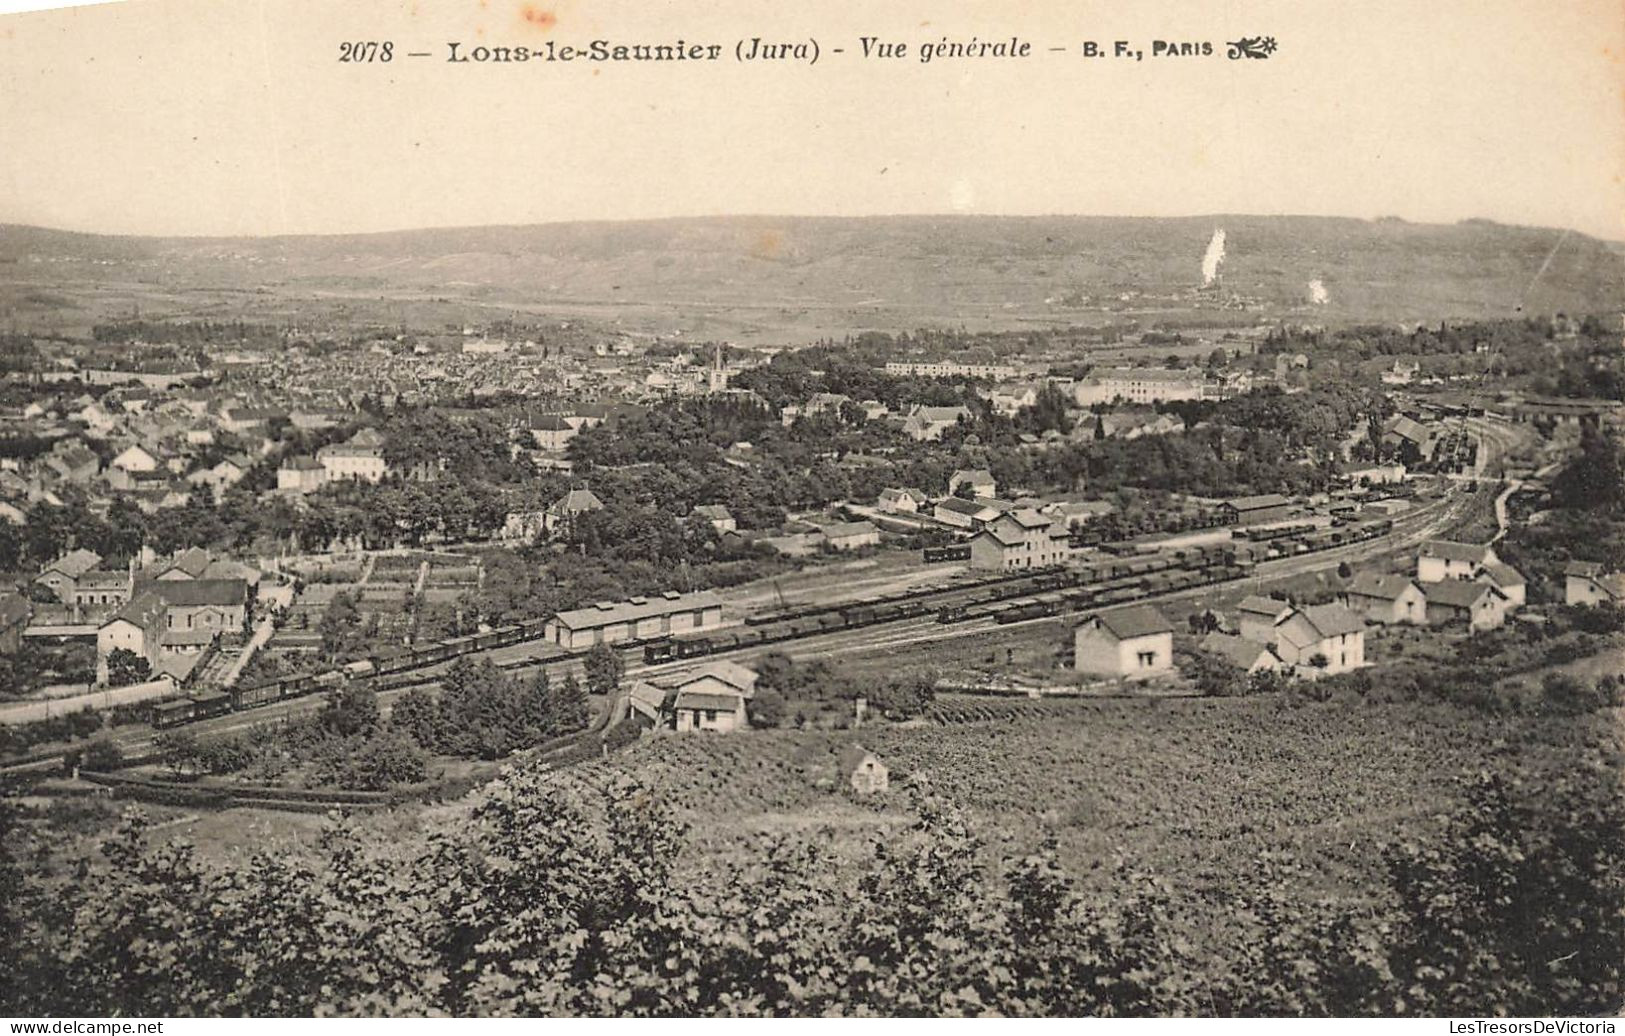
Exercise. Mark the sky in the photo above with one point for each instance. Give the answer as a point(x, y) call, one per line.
point(235, 117)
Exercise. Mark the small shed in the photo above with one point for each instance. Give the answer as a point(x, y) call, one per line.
point(867, 774)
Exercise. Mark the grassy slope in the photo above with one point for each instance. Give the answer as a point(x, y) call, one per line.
point(1194, 791)
point(751, 275)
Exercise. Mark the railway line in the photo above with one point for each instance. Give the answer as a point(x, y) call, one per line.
point(1005, 602)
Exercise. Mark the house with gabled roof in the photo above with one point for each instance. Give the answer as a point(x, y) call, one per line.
point(63, 574)
point(1021, 539)
point(862, 770)
point(964, 514)
point(567, 508)
point(1589, 583)
point(901, 501)
point(712, 696)
point(1447, 559)
point(1385, 598)
point(1135, 642)
point(927, 423)
point(1323, 638)
point(1477, 605)
point(1506, 579)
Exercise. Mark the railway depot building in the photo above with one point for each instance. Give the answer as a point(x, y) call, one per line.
point(1256, 510)
point(640, 618)
point(1020, 540)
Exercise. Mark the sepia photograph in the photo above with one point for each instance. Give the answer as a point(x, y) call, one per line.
point(622, 509)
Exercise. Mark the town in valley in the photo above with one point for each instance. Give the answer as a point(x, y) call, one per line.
point(1152, 587)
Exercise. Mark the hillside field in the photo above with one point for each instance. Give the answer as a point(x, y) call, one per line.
point(1202, 793)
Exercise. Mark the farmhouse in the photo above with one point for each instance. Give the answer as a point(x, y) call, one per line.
point(1326, 637)
point(1135, 642)
point(1478, 605)
point(1446, 559)
point(1588, 583)
point(639, 618)
point(1385, 598)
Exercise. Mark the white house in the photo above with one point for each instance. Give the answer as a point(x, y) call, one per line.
point(1588, 583)
point(901, 501)
point(1325, 637)
point(1506, 579)
point(359, 460)
point(1446, 559)
point(1135, 642)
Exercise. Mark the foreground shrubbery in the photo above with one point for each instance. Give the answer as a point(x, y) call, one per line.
point(553, 899)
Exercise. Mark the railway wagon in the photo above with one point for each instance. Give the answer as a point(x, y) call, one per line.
point(958, 552)
point(173, 713)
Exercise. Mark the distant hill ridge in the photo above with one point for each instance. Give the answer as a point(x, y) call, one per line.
point(1041, 264)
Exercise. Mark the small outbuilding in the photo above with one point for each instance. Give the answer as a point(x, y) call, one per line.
point(863, 770)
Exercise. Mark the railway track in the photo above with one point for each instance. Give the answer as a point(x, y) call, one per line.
point(1425, 522)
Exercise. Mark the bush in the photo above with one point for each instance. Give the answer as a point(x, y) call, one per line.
point(767, 708)
point(102, 755)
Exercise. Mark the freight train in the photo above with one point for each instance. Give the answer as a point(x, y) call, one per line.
point(380, 666)
point(1034, 594)
point(1016, 596)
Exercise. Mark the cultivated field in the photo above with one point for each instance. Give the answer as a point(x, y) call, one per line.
point(1200, 792)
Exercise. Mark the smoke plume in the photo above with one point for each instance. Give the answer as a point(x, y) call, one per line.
point(1213, 257)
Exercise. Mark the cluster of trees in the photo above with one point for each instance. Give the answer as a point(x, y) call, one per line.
point(485, 713)
point(346, 744)
point(787, 690)
point(1554, 356)
point(33, 665)
point(1586, 524)
point(549, 887)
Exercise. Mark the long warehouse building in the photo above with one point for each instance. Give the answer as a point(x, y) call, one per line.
point(640, 618)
